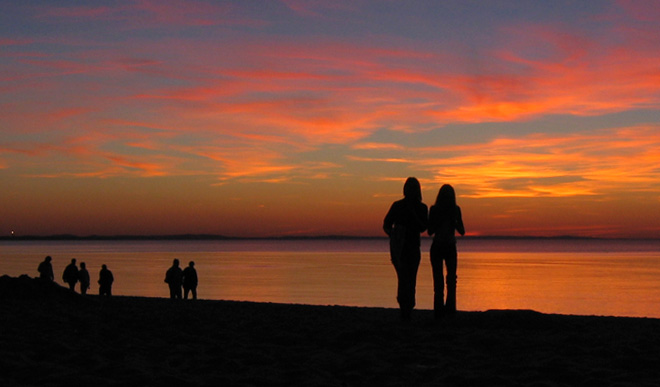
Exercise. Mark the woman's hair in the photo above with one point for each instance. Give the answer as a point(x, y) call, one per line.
point(446, 197)
point(412, 189)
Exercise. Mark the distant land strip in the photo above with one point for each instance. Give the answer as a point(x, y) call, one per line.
point(212, 237)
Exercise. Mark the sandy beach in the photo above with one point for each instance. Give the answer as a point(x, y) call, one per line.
point(52, 337)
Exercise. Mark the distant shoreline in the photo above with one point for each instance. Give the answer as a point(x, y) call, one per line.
point(211, 237)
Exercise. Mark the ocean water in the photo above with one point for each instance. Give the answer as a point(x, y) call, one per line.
point(583, 277)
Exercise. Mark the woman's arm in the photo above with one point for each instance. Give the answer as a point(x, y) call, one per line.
point(459, 221)
point(422, 217)
point(388, 222)
point(432, 227)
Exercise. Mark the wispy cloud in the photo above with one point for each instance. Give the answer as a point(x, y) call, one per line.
point(14, 42)
point(141, 14)
point(75, 12)
point(316, 8)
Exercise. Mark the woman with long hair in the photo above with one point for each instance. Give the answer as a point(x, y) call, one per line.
point(404, 222)
point(444, 220)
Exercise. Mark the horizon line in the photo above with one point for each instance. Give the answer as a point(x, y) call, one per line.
point(286, 237)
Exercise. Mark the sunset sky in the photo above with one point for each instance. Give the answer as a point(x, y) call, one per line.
point(269, 118)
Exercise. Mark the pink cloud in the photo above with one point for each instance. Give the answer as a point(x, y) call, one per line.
point(600, 80)
point(67, 113)
point(15, 42)
point(358, 86)
point(139, 14)
point(75, 12)
point(138, 64)
point(582, 78)
point(316, 8)
point(188, 13)
point(642, 10)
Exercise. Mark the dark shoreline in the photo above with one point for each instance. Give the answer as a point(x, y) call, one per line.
point(51, 336)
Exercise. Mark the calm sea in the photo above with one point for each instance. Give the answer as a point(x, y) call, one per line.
point(585, 277)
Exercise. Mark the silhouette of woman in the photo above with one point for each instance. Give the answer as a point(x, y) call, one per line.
point(444, 219)
point(404, 222)
point(105, 281)
point(46, 270)
point(190, 281)
point(83, 277)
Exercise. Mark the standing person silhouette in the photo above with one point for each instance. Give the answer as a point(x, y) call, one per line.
point(45, 270)
point(70, 275)
point(83, 277)
point(404, 222)
point(105, 281)
point(444, 220)
point(173, 278)
point(190, 281)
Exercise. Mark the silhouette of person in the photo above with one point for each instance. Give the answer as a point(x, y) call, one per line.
point(173, 277)
point(105, 281)
point(83, 277)
point(404, 222)
point(444, 219)
point(190, 281)
point(70, 275)
point(45, 269)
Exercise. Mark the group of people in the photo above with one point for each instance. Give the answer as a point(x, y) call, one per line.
point(406, 220)
point(186, 278)
point(175, 278)
point(73, 275)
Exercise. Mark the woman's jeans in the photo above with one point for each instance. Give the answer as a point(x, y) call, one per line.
point(444, 254)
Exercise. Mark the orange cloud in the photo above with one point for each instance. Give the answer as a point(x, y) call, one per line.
point(282, 96)
point(67, 113)
point(597, 163)
point(378, 146)
point(145, 169)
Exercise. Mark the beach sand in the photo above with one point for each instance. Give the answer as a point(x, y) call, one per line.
point(52, 337)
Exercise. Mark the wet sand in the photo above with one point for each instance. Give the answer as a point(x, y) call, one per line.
point(52, 337)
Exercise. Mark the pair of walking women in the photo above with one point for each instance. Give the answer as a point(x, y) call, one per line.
point(404, 222)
